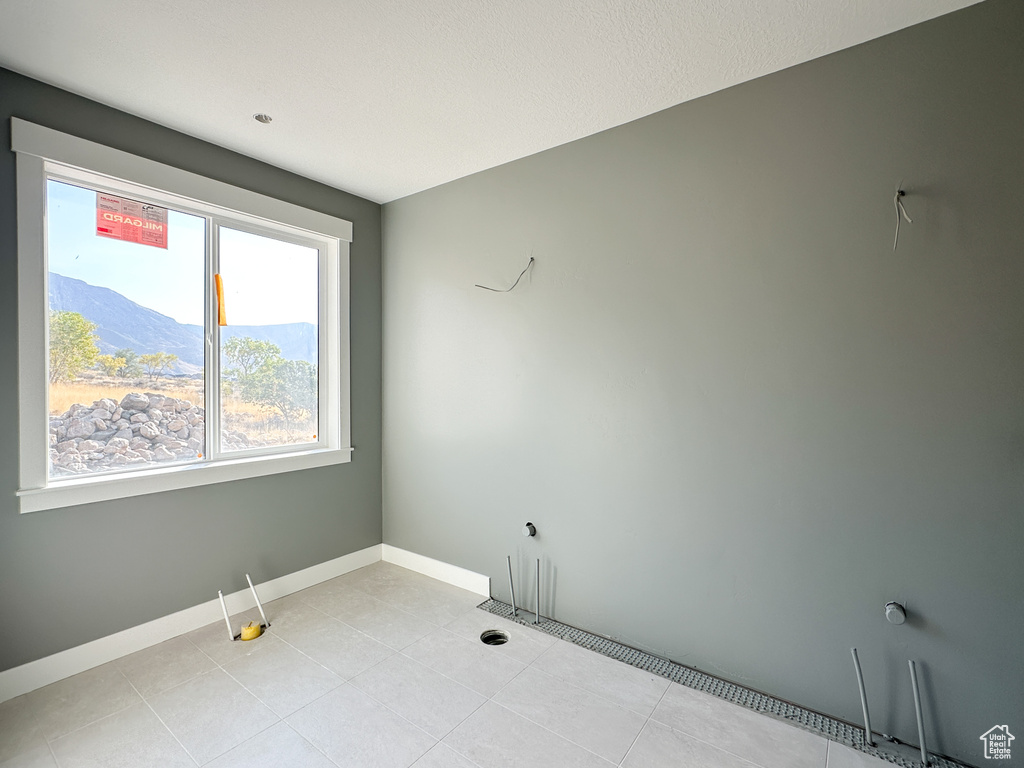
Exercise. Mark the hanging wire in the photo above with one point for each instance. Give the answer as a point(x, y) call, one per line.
point(898, 204)
point(506, 290)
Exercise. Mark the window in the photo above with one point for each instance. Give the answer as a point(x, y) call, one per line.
point(173, 330)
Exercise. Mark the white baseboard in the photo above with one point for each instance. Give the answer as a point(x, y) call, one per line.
point(435, 569)
point(36, 674)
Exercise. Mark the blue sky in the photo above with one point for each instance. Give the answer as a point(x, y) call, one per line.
point(265, 281)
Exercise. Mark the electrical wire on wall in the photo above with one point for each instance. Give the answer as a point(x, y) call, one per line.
point(506, 290)
point(898, 203)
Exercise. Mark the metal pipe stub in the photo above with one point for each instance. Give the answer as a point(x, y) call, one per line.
point(537, 620)
point(918, 711)
point(868, 738)
point(266, 622)
point(511, 586)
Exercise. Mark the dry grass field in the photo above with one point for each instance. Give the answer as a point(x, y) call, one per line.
point(86, 390)
point(257, 421)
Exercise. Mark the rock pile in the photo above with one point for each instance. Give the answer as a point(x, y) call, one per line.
point(143, 429)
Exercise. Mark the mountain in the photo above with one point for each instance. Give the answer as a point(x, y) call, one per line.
point(297, 341)
point(124, 324)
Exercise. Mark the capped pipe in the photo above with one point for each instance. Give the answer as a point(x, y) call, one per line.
point(895, 613)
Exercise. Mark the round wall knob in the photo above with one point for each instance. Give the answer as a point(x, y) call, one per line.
point(895, 613)
point(529, 530)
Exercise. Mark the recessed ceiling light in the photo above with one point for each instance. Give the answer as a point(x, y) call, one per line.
point(262, 118)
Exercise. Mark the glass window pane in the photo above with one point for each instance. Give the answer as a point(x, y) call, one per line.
point(126, 362)
point(269, 346)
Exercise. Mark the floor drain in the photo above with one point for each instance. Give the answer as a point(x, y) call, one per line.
point(494, 637)
point(829, 727)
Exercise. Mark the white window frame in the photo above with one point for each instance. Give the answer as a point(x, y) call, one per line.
point(43, 153)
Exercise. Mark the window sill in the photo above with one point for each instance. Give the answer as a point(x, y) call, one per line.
point(86, 490)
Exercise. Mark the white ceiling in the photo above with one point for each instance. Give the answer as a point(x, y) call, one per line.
point(384, 98)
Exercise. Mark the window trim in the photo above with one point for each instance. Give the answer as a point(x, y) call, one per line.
point(34, 145)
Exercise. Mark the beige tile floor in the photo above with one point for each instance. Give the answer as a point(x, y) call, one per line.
point(384, 668)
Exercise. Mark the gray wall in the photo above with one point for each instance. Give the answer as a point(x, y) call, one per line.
point(71, 575)
point(741, 422)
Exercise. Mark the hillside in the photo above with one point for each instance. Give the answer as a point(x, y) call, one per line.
point(124, 324)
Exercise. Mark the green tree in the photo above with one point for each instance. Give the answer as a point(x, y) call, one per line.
point(247, 354)
point(289, 386)
point(130, 369)
point(110, 364)
point(72, 345)
point(157, 363)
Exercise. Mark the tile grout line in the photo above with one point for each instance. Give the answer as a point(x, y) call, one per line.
point(222, 665)
point(440, 740)
point(625, 757)
point(487, 699)
point(509, 682)
point(597, 695)
point(529, 719)
point(298, 650)
point(468, 642)
point(305, 601)
point(646, 723)
point(217, 667)
point(431, 669)
point(280, 719)
point(161, 720)
point(825, 726)
point(715, 747)
point(453, 749)
point(463, 720)
point(53, 754)
point(388, 603)
point(356, 629)
point(244, 741)
point(98, 719)
point(403, 717)
point(281, 639)
point(314, 746)
point(399, 716)
point(554, 733)
point(443, 674)
point(348, 681)
point(601, 696)
point(394, 652)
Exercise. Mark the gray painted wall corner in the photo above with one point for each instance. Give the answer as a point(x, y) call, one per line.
point(740, 421)
point(73, 575)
